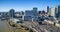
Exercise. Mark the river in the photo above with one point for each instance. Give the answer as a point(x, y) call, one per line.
point(4, 27)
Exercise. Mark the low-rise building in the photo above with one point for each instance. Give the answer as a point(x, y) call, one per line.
point(27, 18)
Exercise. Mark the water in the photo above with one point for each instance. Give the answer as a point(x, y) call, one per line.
point(3, 26)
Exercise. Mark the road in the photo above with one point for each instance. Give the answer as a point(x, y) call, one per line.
point(4, 26)
point(34, 25)
point(44, 27)
point(50, 28)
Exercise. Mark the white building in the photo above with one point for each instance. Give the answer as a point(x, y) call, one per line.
point(47, 9)
point(55, 11)
point(52, 11)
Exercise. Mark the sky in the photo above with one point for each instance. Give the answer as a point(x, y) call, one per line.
point(22, 5)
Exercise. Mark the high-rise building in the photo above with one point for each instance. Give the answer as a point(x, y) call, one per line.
point(28, 13)
point(35, 9)
point(47, 9)
point(55, 11)
point(31, 12)
point(12, 13)
point(35, 13)
point(52, 11)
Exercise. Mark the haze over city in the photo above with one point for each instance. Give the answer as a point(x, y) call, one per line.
point(22, 5)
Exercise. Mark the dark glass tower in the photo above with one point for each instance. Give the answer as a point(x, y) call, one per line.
point(35, 12)
point(12, 13)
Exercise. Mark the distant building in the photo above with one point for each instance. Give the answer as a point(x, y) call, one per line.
point(12, 13)
point(47, 9)
point(31, 13)
point(50, 11)
point(21, 13)
point(17, 14)
point(28, 13)
point(4, 14)
point(27, 18)
point(35, 13)
point(35, 9)
point(41, 13)
point(55, 11)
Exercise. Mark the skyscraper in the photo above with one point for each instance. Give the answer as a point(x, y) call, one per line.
point(35, 13)
point(28, 13)
point(11, 13)
point(35, 9)
point(58, 11)
point(55, 11)
point(47, 9)
point(52, 11)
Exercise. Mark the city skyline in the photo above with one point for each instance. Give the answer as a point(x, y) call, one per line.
point(22, 5)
